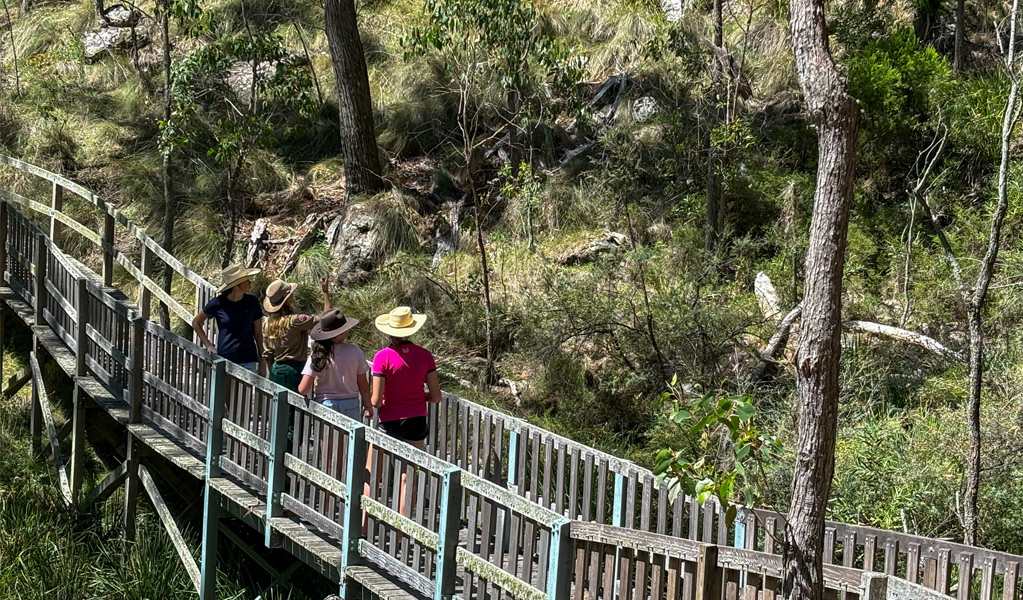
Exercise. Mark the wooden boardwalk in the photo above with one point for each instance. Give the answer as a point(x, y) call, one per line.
point(493, 508)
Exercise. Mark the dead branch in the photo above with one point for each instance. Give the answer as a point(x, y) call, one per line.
point(906, 336)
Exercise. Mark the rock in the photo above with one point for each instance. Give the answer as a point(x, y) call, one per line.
point(767, 297)
point(672, 10)
point(355, 243)
point(117, 34)
point(589, 252)
point(644, 108)
point(120, 15)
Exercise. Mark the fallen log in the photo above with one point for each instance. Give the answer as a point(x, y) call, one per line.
point(906, 336)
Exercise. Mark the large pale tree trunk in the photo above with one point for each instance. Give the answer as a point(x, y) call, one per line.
point(836, 116)
point(358, 140)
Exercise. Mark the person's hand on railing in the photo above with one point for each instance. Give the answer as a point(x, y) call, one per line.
point(261, 369)
point(210, 347)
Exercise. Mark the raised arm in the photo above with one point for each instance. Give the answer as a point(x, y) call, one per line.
point(197, 326)
point(325, 287)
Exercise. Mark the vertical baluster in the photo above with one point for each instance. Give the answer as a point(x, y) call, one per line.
point(965, 575)
point(913, 563)
point(1011, 580)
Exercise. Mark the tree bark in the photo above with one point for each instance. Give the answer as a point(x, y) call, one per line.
point(169, 210)
point(973, 425)
point(836, 115)
point(489, 374)
point(714, 218)
point(957, 59)
point(358, 139)
point(984, 276)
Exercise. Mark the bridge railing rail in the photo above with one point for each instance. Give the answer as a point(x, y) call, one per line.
point(567, 479)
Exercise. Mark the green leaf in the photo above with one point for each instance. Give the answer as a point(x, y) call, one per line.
point(730, 514)
point(682, 415)
point(746, 411)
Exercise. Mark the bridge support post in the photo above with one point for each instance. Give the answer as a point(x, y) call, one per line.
point(78, 416)
point(278, 445)
point(211, 498)
point(448, 528)
point(131, 487)
point(108, 249)
point(356, 471)
point(4, 229)
point(39, 302)
point(57, 204)
point(131, 481)
point(559, 561)
point(210, 542)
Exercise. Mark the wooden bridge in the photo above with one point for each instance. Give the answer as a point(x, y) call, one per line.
point(495, 507)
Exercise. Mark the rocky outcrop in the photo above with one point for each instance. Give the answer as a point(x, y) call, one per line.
point(355, 241)
point(121, 29)
point(588, 252)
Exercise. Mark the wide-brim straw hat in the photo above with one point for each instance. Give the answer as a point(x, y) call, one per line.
point(400, 322)
point(277, 294)
point(331, 323)
point(234, 275)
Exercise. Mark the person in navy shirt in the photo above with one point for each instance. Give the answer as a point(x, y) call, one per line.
point(239, 321)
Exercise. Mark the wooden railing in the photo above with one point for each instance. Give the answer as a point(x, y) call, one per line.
point(502, 503)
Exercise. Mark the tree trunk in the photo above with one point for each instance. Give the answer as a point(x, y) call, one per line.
point(973, 425)
point(232, 213)
point(836, 116)
point(489, 374)
point(984, 276)
point(169, 210)
point(957, 60)
point(358, 140)
point(715, 211)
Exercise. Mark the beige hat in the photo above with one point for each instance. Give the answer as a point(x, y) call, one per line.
point(277, 293)
point(400, 322)
point(234, 275)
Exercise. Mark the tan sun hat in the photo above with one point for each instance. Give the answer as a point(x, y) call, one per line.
point(234, 275)
point(277, 293)
point(400, 322)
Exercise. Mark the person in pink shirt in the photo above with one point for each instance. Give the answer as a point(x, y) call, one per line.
point(400, 372)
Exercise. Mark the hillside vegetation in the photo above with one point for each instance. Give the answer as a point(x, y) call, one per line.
point(602, 282)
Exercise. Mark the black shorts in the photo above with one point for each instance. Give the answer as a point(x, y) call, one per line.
point(413, 429)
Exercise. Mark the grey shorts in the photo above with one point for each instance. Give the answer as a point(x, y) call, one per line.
point(349, 407)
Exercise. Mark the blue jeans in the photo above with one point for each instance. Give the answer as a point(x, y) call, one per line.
point(349, 407)
point(252, 366)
